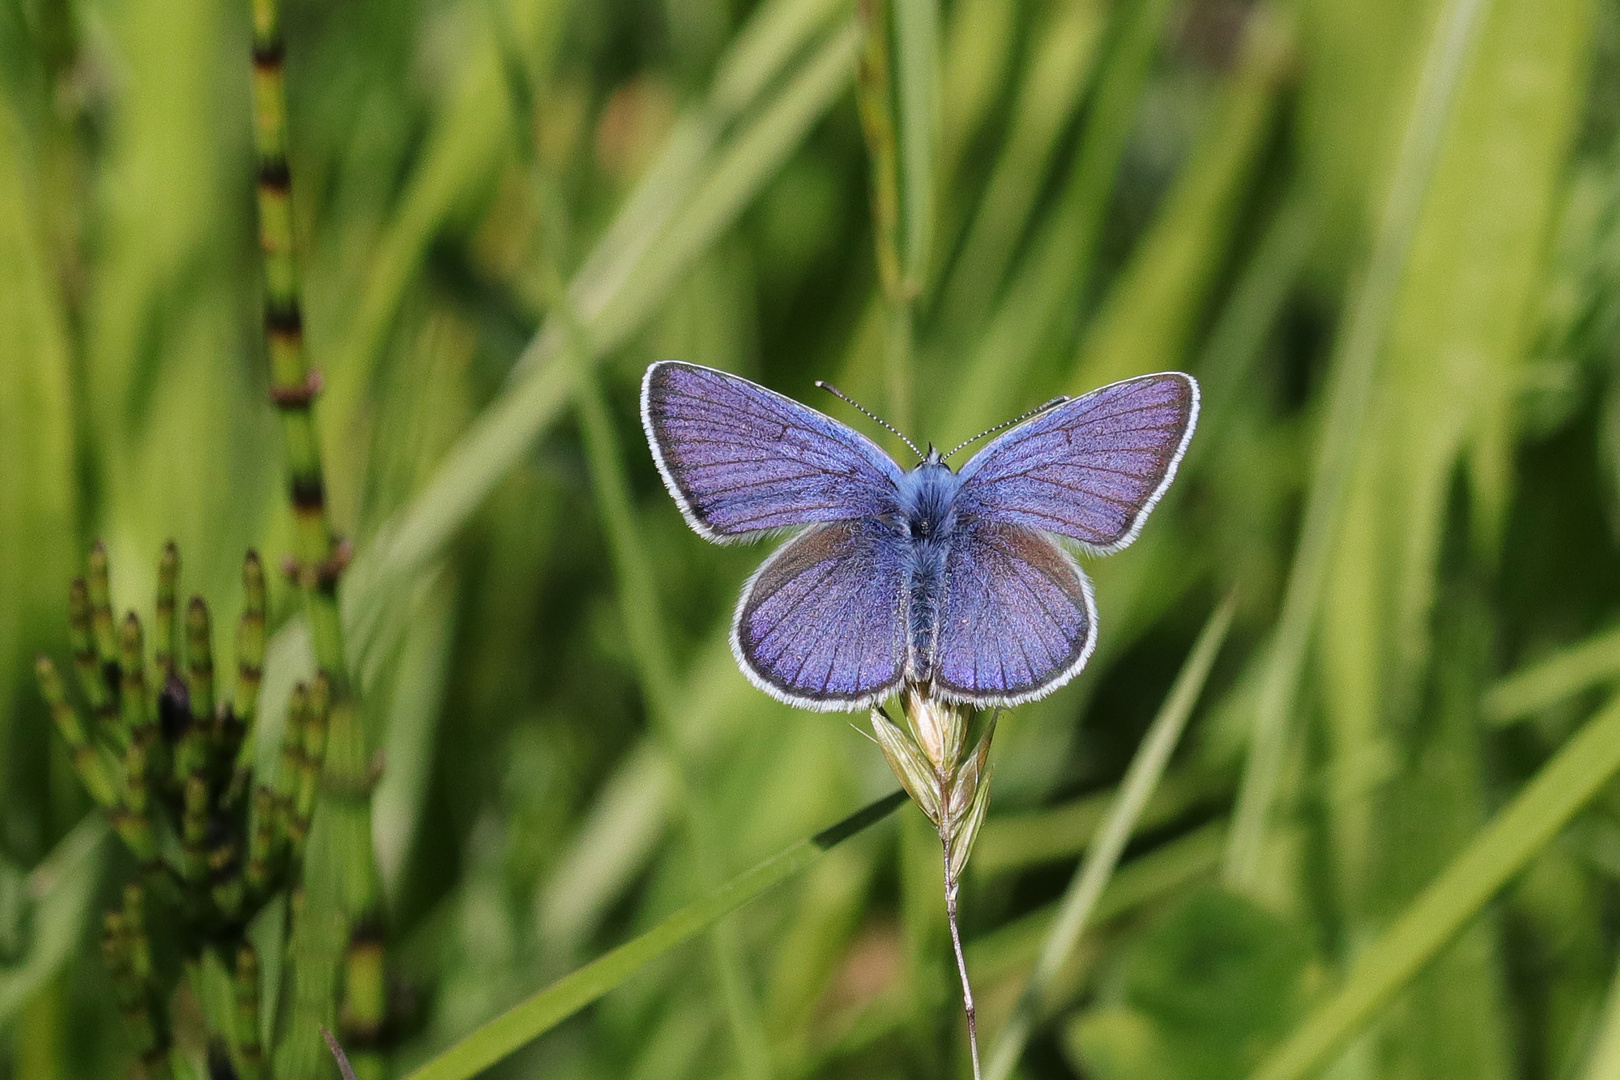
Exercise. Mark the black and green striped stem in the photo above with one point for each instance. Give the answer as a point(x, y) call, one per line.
point(250, 644)
point(346, 785)
point(365, 980)
point(200, 662)
point(146, 755)
point(290, 771)
point(87, 663)
point(293, 384)
point(101, 618)
point(310, 762)
point(165, 625)
point(261, 840)
point(128, 952)
point(225, 873)
point(245, 984)
point(319, 559)
point(194, 831)
point(87, 760)
point(140, 946)
point(192, 754)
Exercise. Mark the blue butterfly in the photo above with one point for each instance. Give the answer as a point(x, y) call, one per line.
point(950, 580)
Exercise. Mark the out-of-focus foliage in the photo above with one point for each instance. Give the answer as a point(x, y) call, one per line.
point(507, 208)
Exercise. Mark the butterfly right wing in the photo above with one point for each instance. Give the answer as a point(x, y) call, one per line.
point(822, 624)
point(741, 460)
point(1015, 619)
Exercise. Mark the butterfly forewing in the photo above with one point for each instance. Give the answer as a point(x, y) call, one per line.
point(820, 625)
point(741, 460)
point(1089, 469)
point(1016, 618)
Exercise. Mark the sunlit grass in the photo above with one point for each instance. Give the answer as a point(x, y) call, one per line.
point(1380, 234)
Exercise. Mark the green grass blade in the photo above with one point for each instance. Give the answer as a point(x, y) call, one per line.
point(545, 1010)
point(1355, 366)
point(1567, 672)
point(63, 889)
point(1603, 1063)
point(1521, 829)
point(1058, 267)
point(916, 33)
point(510, 424)
point(1049, 93)
point(1086, 887)
point(1013, 842)
point(1151, 312)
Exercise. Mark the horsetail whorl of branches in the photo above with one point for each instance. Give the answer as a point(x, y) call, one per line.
point(164, 758)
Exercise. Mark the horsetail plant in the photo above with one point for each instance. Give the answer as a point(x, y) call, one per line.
point(316, 565)
point(164, 761)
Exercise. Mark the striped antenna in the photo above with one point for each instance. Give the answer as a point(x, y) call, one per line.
point(872, 416)
point(1036, 411)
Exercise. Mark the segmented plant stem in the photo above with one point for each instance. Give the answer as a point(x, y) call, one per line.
point(318, 558)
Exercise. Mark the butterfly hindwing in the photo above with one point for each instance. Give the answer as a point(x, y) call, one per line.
point(821, 624)
point(1091, 468)
point(1015, 616)
point(742, 460)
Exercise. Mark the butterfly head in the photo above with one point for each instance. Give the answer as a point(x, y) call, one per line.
point(928, 496)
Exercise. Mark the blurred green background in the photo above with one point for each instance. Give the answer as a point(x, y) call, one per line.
point(1384, 234)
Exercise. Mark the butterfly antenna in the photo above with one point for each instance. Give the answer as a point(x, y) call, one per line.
point(872, 416)
point(1036, 411)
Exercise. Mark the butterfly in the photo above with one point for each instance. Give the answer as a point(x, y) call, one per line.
point(955, 581)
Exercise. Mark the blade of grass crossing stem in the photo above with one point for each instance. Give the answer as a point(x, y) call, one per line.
point(546, 1009)
point(1522, 828)
point(501, 434)
point(1546, 682)
point(1086, 887)
point(1355, 365)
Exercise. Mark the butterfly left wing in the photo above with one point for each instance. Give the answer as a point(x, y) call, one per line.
point(1090, 469)
point(741, 460)
point(1015, 617)
point(821, 624)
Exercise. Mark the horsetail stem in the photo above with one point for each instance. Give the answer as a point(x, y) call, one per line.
point(200, 662)
point(293, 385)
point(245, 985)
point(250, 643)
point(319, 560)
point(194, 831)
point(291, 766)
point(140, 946)
point(261, 839)
point(87, 661)
point(310, 761)
point(137, 718)
point(165, 624)
point(101, 618)
point(86, 758)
